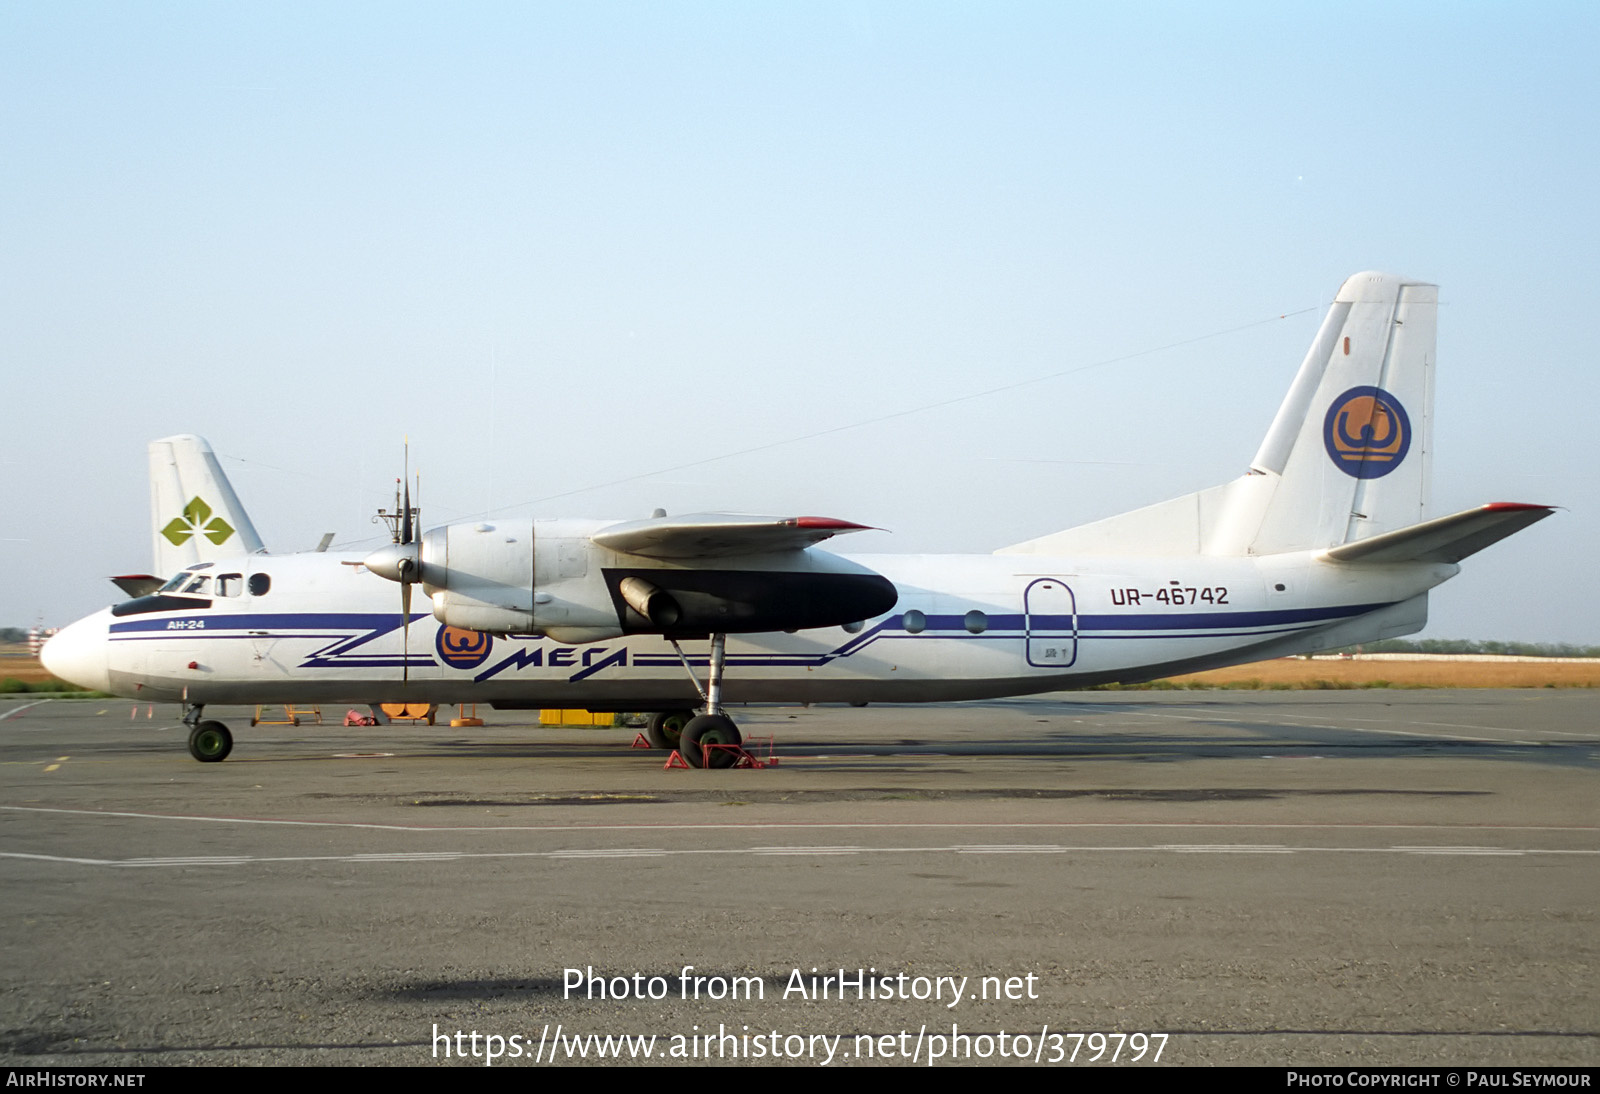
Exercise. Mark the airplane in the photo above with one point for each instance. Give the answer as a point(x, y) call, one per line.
point(1326, 541)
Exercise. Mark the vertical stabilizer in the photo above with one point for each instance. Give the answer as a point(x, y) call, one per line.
point(194, 514)
point(1352, 445)
point(1347, 456)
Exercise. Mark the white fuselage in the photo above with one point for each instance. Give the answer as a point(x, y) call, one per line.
point(964, 627)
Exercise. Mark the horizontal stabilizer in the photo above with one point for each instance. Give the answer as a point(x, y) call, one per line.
point(136, 585)
point(1447, 539)
point(719, 535)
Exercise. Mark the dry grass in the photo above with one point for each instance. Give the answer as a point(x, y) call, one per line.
point(26, 669)
point(1298, 673)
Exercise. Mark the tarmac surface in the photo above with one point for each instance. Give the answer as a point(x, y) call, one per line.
point(1311, 878)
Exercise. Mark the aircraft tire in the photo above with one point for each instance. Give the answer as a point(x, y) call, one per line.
point(666, 728)
point(712, 729)
point(210, 742)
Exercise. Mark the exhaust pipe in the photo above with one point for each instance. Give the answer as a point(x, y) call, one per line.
point(654, 604)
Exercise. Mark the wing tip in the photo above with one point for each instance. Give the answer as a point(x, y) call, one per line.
point(1517, 507)
point(829, 524)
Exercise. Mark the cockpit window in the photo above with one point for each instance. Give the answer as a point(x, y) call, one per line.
point(259, 584)
point(230, 584)
point(189, 581)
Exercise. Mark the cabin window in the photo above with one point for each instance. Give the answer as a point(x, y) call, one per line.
point(976, 622)
point(914, 622)
point(259, 584)
point(230, 584)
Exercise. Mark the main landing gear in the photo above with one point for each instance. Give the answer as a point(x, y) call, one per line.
point(209, 742)
point(709, 729)
point(712, 726)
point(666, 728)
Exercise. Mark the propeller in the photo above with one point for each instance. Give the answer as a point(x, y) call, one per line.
point(401, 562)
point(408, 566)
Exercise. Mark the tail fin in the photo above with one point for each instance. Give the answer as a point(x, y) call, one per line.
point(1352, 445)
point(194, 514)
point(1347, 456)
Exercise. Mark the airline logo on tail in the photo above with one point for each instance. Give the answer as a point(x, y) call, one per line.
point(1367, 432)
point(197, 520)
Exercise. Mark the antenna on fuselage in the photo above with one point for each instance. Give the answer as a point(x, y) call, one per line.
point(403, 563)
point(405, 515)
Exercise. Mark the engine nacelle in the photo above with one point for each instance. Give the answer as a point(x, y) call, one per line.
point(518, 577)
point(549, 577)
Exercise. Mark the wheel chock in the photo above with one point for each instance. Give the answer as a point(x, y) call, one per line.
point(759, 751)
point(640, 742)
point(742, 758)
point(675, 760)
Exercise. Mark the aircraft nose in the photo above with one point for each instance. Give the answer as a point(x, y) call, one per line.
point(78, 654)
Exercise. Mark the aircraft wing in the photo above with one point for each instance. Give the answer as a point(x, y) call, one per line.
point(719, 535)
point(1447, 539)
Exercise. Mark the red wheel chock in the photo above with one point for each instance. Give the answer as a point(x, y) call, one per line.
point(742, 757)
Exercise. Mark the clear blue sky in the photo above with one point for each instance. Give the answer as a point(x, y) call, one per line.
point(560, 245)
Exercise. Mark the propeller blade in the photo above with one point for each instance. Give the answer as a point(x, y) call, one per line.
point(405, 633)
point(406, 531)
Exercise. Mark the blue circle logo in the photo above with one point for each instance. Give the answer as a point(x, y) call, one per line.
point(462, 649)
point(1367, 433)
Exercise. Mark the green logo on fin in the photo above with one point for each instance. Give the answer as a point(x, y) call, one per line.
point(197, 519)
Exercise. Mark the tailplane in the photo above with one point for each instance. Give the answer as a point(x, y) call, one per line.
point(194, 514)
point(1446, 539)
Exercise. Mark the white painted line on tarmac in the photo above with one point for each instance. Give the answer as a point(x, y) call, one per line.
point(735, 826)
point(1459, 850)
point(1232, 848)
point(14, 711)
point(60, 858)
point(810, 850)
point(1014, 849)
point(764, 852)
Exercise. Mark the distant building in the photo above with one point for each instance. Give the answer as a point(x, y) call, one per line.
point(37, 637)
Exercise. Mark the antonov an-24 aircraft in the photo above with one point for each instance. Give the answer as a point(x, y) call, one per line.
point(1325, 542)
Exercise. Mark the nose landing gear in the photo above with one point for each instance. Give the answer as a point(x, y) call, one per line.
point(209, 742)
